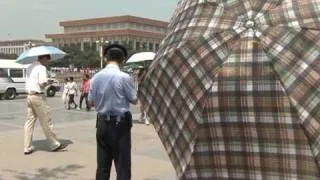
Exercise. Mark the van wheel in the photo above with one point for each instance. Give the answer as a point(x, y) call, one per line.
point(11, 94)
point(51, 92)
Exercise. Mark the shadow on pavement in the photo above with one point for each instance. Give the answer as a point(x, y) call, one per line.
point(45, 173)
point(17, 98)
point(42, 145)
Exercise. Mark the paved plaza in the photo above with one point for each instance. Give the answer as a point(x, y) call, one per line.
point(78, 161)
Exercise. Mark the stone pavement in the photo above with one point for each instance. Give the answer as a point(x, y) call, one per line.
point(78, 161)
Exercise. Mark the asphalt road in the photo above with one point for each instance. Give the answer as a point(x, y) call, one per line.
point(13, 113)
point(78, 162)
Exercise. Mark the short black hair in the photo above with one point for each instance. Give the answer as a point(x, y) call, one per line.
point(44, 56)
point(116, 52)
point(71, 78)
point(87, 76)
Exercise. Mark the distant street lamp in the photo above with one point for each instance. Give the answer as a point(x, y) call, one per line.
point(100, 44)
point(28, 46)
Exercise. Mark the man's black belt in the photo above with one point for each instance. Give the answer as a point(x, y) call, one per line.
point(123, 119)
point(112, 118)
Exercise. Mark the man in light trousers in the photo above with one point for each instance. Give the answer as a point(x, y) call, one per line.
point(37, 106)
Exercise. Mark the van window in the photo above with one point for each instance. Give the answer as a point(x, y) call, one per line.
point(3, 72)
point(16, 73)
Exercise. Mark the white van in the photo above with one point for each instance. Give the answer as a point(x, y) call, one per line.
point(16, 71)
point(17, 74)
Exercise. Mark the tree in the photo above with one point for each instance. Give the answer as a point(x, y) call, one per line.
point(79, 59)
point(89, 58)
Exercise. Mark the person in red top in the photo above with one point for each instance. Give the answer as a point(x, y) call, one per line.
point(85, 88)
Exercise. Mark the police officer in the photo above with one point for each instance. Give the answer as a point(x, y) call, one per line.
point(111, 93)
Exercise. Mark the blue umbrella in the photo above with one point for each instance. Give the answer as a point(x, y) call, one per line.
point(32, 54)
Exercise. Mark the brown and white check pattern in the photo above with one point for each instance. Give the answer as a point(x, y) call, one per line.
point(234, 92)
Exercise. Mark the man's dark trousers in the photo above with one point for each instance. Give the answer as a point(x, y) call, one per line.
point(114, 143)
point(71, 101)
point(84, 96)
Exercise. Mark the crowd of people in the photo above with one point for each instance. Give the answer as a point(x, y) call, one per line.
point(63, 70)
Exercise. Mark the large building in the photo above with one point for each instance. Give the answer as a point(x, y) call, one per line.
point(139, 33)
point(18, 46)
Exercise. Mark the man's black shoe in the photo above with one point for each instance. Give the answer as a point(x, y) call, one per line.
point(61, 147)
point(28, 153)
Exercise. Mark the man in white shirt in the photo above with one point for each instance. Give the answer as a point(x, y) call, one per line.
point(72, 92)
point(37, 106)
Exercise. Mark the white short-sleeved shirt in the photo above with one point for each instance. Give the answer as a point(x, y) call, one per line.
point(36, 75)
point(72, 87)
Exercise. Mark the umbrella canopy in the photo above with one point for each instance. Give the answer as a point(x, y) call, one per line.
point(32, 54)
point(132, 67)
point(234, 92)
point(141, 57)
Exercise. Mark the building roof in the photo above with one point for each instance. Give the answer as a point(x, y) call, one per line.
point(124, 32)
point(115, 19)
point(20, 41)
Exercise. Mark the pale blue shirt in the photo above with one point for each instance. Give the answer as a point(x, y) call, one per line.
point(112, 91)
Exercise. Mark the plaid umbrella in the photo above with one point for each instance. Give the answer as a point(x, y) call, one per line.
point(234, 91)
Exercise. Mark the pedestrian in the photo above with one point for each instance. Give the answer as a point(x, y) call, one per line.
point(143, 115)
point(85, 87)
point(38, 108)
point(111, 93)
point(65, 93)
point(72, 92)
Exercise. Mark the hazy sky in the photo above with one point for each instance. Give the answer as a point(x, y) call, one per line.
point(21, 19)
